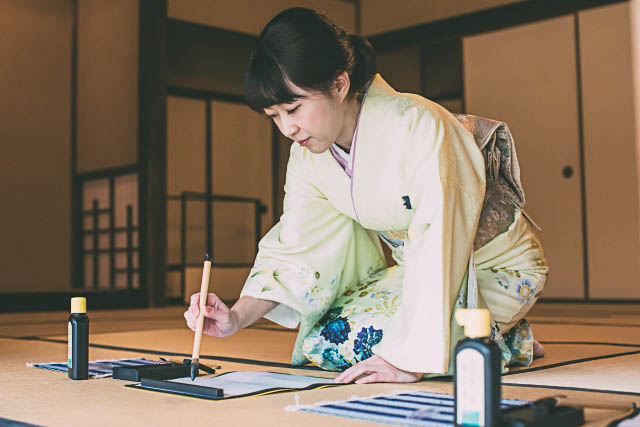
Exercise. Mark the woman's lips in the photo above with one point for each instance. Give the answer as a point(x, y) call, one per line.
point(304, 141)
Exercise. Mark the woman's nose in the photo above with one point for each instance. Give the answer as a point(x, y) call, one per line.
point(289, 127)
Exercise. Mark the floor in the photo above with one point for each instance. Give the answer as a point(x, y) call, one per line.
point(592, 355)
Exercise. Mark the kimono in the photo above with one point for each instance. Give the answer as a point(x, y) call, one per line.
point(418, 181)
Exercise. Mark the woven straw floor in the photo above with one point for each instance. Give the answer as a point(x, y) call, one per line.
point(592, 353)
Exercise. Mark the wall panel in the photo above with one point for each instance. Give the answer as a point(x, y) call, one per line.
point(107, 120)
point(526, 77)
point(186, 138)
point(610, 163)
point(207, 58)
point(224, 282)
point(241, 155)
point(401, 68)
point(242, 166)
point(35, 150)
point(186, 165)
point(235, 16)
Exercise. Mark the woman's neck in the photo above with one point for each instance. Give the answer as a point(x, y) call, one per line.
point(345, 137)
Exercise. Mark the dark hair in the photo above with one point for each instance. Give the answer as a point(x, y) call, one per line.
point(304, 47)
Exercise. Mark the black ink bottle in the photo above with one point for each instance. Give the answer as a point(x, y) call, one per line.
point(78, 340)
point(477, 370)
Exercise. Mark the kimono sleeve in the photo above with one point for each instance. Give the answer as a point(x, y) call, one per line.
point(308, 258)
point(448, 190)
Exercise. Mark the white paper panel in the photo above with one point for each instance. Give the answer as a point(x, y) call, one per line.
point(609, 148)
point(526, 77)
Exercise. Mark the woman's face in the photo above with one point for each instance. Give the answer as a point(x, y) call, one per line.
point(313, 120)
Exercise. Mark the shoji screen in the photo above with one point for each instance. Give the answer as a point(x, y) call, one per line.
point(186, 165)
point(526, 77)
point(242, 166)
point(610, 152)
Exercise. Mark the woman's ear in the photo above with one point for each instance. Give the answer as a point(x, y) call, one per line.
point(342, 85)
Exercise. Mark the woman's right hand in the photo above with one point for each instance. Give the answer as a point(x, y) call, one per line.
point(219, 320)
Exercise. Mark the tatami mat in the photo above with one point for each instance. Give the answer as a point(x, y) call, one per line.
point(590, 310)
point(274, 345)
point(49, 398)
point(615, 374)
point(590, 333)
point(55, 322)
point(255, 344)
point(588, 347)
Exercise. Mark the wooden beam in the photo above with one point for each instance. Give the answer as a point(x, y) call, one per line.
point(152, 150)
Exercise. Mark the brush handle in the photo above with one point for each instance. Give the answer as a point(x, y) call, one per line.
point(204, 291)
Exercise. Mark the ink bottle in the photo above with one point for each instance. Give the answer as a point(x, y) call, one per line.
point(477, 371)
point(78, 340)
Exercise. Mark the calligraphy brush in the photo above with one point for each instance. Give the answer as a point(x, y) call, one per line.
point(204, 290)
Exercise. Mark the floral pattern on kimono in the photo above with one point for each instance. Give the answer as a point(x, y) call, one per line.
point(367, 307)
point(360, 314)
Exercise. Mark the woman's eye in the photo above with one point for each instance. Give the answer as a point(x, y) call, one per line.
point(293, 110)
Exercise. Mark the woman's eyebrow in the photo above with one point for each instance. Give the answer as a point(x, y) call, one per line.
point(297, 97)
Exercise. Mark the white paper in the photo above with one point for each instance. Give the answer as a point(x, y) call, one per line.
point(245, 382)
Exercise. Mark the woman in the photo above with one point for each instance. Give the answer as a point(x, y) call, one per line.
point(368, 161)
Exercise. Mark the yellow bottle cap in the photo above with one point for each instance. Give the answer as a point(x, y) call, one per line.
point(476, 322)
point(78, 305)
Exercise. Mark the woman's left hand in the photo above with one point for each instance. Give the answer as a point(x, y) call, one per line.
point(379, 371)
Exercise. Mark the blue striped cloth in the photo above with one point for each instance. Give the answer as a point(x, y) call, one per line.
point(419, 408)
point(97, 368)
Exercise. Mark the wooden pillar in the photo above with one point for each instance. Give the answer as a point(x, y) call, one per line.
point(152, 150)
point(635, 75)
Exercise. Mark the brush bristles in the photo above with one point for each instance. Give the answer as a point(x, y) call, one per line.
point(195, 366)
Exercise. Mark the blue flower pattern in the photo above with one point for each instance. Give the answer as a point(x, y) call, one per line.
point(336, 331)
point(330, 315)
point(367, 338)
point(336, 359)
point(526, 290)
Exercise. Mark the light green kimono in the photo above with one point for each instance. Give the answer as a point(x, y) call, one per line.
point(406, 147)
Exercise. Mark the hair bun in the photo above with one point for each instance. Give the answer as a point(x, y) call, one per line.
point(303, 47)
point(364, 61)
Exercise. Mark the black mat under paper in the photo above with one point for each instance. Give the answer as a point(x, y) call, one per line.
point(171, 387)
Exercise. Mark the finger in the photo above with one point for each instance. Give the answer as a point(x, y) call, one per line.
point(216, 313)
point(210, 313)
point(342, 375)
point(353, 372)
point(340, 378)
point(194, 304)
point(189, 318)
point(188, 315)
point(195, 300)
point(214, 300)
point(376, 377)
